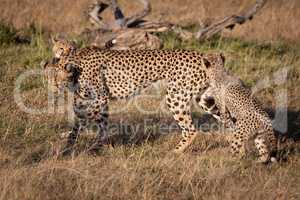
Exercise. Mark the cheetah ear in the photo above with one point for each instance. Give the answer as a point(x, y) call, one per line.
point(222, 57)
point(54, 39)
point(57, 38)
point(44, 64)
point(73, 43)
point(206, 63)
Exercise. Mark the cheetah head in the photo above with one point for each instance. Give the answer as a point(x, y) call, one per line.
point(60, 74)
point(214, 65)
point(62, 47)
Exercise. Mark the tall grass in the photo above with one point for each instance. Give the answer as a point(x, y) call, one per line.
point(7, 34)
point(141, 166)
point(277, 20)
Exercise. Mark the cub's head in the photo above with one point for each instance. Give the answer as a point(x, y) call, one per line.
point(60, 74)
point(62, 47)
point(214, 64)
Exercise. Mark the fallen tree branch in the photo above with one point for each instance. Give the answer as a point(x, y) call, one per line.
point(118, 14)
point(229, 22)
point(124, 32)
point(94, 12)
point(135, 19)
point(117, 33)
point(133, 39)
point(120, 21)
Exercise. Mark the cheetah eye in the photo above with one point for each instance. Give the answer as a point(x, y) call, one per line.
point(222, 57)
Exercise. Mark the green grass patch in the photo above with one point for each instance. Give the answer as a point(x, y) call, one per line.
point(8, 34)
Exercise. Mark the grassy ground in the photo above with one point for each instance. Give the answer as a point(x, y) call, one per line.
point(277, 20)
point(141, 166)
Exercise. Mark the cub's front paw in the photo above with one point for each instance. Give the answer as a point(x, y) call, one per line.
point(64, 135)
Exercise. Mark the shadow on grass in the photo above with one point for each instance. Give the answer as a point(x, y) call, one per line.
point(142, 130)
point(293, 124)
point(137, 132)
point(289, 140)
point(150, 129)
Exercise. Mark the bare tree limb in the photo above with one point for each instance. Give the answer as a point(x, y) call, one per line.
point(133, 20)
point(118, 14)
point(253, 10)
point(230, 22)
point(125, 32)
point(94, 14)
point(130, 21)
point(183, 34)
point(133, 39)
point(110, 30)
point(120, 20)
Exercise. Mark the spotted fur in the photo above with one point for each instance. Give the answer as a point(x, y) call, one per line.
point(62, 47)
point(96, 76)
point(233, 102)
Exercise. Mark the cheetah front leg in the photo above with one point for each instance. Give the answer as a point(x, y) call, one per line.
point(179, 104)
point(237, 144)
point(237, 139)
point(78, 126)
point(102, 129)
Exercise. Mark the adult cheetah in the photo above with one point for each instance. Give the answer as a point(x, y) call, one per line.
point(96, 76)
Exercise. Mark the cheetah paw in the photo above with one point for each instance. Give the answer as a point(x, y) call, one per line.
point(178, 150)
point(263, 160)
point(64, 135)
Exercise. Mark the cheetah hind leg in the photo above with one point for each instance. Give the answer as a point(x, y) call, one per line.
point(237, 145)
point(263, 150)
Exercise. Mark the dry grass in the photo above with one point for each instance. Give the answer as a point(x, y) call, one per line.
point(141, 166)
point(278, 20)
point(150, 172)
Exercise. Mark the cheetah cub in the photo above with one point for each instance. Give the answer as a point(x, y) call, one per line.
point(62, 47)
point(236, 106)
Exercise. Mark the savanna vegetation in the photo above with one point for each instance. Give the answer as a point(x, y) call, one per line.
point(141, 165)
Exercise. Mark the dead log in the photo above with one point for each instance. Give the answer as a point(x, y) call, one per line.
point(129, 38)
point(94, 14)
point(131, 32)
point(134, 39)
point(118, 14)
point(120, 21)
point(118, 34)
point(137, 18)
point(230, 22)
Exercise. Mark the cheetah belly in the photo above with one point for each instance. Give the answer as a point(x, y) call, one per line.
point(124, 84)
